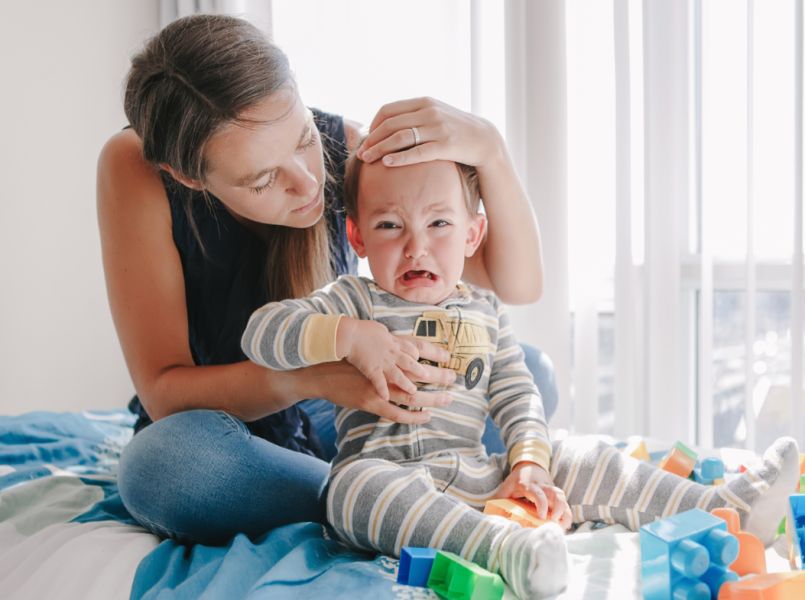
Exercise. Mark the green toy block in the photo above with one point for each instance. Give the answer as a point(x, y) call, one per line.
point(690, 453)
point(781, 527)
point(454, 578)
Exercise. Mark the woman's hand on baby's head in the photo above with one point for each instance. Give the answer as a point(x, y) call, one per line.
point(443, 132)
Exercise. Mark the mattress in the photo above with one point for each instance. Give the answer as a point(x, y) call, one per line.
point(64, 533)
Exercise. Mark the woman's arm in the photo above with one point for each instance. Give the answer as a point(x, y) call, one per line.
point(447, 133)
point(145, 285)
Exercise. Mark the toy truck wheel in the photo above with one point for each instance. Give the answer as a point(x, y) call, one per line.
point(475, 371)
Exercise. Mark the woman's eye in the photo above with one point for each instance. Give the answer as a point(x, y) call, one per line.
point(262, 188)
point(310, 140)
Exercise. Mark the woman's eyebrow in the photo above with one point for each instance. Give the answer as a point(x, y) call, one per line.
point(252, 177)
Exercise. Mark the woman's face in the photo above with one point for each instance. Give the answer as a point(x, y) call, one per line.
point(271, 171)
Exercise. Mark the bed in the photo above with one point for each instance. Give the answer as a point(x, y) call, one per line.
point(64, 533)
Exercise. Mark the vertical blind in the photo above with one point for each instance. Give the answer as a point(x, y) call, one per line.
point(704, 284)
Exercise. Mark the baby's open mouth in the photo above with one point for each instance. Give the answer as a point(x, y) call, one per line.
point(411, 275)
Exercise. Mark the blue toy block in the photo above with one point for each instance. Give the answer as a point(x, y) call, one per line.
point(712, 468)
point(415, 566)
point(685, 556)
point(797, 504)
point(708, 470)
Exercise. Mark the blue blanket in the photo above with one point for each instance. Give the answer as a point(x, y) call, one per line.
point(57, 473)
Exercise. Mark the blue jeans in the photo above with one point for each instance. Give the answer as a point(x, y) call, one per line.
point(201, 476)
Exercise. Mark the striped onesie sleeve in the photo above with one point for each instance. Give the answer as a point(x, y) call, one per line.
point(300, 332)
point(514, 400)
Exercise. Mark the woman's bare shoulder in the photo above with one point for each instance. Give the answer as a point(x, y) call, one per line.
point(124, 173)
point(124, 150)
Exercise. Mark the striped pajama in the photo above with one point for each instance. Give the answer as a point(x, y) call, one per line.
point(395, 485)
point(377, 504)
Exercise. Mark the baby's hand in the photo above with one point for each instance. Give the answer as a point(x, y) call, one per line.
point(384, 359)
point(530, 481)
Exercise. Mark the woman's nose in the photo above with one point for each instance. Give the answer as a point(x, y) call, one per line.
point(303, 181)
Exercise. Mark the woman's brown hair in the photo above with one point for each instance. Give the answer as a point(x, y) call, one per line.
point(196, 75)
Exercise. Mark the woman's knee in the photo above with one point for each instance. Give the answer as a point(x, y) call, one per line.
point(158, 473)
point(201, 476)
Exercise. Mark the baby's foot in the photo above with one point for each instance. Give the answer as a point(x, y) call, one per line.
point(533, 561)
point(764, 489)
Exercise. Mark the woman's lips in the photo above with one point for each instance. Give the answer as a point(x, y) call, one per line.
point(310, 205)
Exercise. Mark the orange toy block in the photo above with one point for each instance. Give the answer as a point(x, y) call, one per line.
point(522, 512)
point(771, 586)
point(636, 448)
point(751, 553)
point(680, 460)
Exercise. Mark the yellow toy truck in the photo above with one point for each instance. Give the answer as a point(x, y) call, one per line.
point(467, 342)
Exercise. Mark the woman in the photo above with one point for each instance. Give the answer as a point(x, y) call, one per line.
point(224, 194)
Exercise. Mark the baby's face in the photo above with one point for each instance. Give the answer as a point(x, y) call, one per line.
point(414, 227)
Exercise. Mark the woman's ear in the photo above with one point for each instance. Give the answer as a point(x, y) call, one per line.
point(193, 184)
point(475, 234)
point(355, 238)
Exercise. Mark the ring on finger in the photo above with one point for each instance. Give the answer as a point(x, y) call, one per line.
point(417, 139)
point(410, 407)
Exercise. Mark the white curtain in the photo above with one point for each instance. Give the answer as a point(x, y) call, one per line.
point(257, 11)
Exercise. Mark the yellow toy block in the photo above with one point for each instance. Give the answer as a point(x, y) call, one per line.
point(636, 448)
point(522, 512)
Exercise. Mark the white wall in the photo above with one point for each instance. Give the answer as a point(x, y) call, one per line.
point(61, 69)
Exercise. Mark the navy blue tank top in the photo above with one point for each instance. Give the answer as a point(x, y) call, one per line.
point(224, 283)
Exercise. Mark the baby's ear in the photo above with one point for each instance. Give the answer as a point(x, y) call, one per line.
point(475, 234)
point(355, 238)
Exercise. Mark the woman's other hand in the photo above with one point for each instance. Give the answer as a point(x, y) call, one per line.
point(344, 385)
point(442, 133)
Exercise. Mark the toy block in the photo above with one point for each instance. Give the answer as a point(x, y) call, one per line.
point(636, 448)
point(751, 552)
point(801, 486)
point(454, 578)
point(680, 460)
point(521, 512)
point(712, 469)
point(795, 530)
point(415, 566)
point(769, 586)
point(686, 556)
